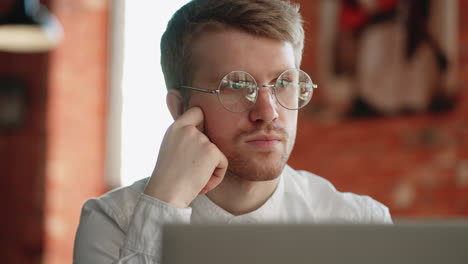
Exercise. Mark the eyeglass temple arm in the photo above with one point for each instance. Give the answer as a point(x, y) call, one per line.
point(200, 90)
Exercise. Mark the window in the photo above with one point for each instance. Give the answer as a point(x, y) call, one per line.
point(138, 112)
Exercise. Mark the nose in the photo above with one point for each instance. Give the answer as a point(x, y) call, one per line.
point(265, 109)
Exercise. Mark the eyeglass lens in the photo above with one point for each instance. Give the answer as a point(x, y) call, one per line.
point(238, 90)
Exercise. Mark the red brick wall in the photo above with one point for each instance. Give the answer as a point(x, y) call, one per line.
point(416, 165)
point(76, 122)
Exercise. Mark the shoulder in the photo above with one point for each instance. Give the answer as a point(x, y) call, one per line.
point(103, 224)
point(116, 205)
point(329, 204)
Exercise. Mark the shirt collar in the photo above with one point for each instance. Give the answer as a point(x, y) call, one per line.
point(205, 211)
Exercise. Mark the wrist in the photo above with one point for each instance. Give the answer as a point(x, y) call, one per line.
point(166, 197)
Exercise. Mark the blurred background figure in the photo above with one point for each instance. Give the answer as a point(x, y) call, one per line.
point(388, 57)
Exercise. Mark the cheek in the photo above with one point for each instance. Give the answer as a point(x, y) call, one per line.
point(210, 107)
point(221, 127)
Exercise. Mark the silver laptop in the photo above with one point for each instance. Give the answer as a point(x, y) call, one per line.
point(414, 243)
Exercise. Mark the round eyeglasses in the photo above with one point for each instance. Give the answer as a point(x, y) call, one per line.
point(238, 90)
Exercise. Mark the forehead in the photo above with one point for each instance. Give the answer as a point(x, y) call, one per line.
point(215, 53)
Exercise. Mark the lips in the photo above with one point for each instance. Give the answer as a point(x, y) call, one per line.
point(264, 142)
point(264, 138)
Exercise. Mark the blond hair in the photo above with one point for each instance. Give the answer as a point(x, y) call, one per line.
point(275, 19)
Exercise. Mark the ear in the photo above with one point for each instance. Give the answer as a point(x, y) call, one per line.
point(175, 103)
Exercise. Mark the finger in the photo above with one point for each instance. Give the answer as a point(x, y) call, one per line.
point(218, 175)
point(211, 184)
point(192, 117)
point(222, 166)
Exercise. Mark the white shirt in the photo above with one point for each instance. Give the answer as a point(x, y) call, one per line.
point(124, 225)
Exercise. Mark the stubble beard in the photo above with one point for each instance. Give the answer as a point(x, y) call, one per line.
point(261, 166)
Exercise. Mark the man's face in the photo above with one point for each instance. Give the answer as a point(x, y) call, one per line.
point(257, 142)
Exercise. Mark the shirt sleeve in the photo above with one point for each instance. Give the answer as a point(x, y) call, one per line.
point(379, 213)
point(104, 237)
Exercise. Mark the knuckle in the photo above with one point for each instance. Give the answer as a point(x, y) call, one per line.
point(189, 130)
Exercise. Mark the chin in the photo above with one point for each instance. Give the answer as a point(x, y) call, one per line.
point(256, 169)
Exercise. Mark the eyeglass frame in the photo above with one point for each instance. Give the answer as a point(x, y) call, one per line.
point(257, 87)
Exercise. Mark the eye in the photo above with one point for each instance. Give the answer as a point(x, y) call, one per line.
point(236, 84)
point(284, 83)
point(240, 85)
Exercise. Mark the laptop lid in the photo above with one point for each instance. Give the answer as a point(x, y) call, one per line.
point(427, 243)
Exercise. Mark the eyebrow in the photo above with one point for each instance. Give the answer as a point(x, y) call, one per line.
point(271, 76)
point(275, 74)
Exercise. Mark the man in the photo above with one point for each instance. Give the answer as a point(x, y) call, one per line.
point(231, 69)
